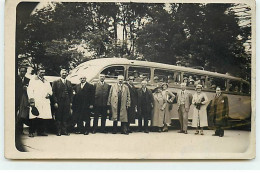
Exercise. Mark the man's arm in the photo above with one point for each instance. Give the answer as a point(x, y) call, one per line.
point(54, 91)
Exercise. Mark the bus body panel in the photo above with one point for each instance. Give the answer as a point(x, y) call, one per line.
point(239, 104)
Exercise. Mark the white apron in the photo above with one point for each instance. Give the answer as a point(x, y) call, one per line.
point(39, 90)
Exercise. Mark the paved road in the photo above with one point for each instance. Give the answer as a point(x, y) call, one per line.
point(139, 145)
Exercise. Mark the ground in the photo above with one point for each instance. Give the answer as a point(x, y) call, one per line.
point(139, 145)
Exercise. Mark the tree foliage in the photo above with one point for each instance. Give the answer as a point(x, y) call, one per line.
point(207, 35)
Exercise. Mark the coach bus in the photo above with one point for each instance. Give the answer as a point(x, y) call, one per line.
point(237, 89)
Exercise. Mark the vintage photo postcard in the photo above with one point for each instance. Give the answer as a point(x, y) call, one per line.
point(157, 79)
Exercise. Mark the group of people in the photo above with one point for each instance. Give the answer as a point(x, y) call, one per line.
point(122, 101)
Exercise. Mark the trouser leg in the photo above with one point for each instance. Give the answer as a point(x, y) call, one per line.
point(20, 125)
point(124, 127)
point(181, 118)
point(41, 126)
point(103, 122)
point(87, 124)
point(146, 124)
point(32, 126)
point(140, 123)
point(103, 118)
point(96, 117)
point(185, 120)
point(80, 123)
point(114, 126)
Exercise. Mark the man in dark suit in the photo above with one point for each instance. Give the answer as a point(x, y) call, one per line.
point(132, 110)
point(62, 96)
point(22, 83)
point(101, 108)
point(82, 104)
point(145, 106)
point(218, 112)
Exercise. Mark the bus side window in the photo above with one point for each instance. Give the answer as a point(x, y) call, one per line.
point(193, 80)
point(140, 73)
point(218, 82)
point(113, 72)
point(163, 76)
point(234, 86)
point(245, 88)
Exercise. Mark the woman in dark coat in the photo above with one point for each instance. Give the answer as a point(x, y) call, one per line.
point(218, 112)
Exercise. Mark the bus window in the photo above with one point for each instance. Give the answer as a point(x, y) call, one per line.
point(163, 76)
point(234, 86)
point(245, 88)
point(193, 80)
point(218, 82)
point(113, 72)
point(140, 73)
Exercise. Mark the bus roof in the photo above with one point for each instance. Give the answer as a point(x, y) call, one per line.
point(123, 61)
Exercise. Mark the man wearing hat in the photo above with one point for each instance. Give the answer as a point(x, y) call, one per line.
point(101, 96)
point(184, 100)
point(119, 101)
point(62, 95)
point(83, 102)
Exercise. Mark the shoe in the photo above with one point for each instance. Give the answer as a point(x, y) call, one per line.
point(146, 131)
point(201, 133)
point(78, 132)
point(180, 131)
point(94, 132)
point(197, 132)
point(130, 131)
point(139, 130)
point(42, 134)
point(104, 131)
point(31, 135)
point(159, 130)
point(58, 134)
point(185, 132)
point(126, 133)
point(86, 133)
point(114, 132)
point(66, 134)
point(221, 135)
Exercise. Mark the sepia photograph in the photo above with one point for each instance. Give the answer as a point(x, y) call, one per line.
point(130, 80)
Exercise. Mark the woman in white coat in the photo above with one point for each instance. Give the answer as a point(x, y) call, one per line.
point(199, 118)
point(39, 92)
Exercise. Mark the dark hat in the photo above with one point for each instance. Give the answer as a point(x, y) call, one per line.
point(35, 111)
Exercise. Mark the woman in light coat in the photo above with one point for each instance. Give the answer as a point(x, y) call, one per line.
point(158, 109)
point(169, 97)
point(199, 118)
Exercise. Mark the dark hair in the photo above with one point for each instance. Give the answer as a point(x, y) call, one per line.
point(22, 67)
point(156, 89)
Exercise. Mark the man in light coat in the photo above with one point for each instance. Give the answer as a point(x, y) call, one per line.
point(184, 100)
point(119, 100)
point(39, 93)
